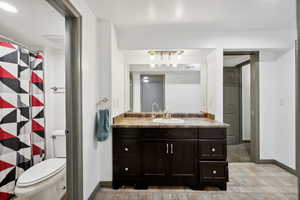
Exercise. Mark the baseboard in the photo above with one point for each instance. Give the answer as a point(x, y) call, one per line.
point(106, 184)
point(265, 161)
point(246, 141)
point(283, 166)
point(279, 164)
point(93, 195)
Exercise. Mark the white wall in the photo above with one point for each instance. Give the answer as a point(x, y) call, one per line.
point(136, 79)
point(246, 103)
point(285, 132)
point(118, 76)
point(112, 85)
point(90, 97)
point(277, 107)
point(215, 84)
point(127, 88)
point(55, 112)
point(182, 91)
point(203, 85)
point(268, 104)
point(105, 89)
point(155, 38)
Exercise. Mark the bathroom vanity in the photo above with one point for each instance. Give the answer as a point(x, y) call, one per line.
point(191, 152)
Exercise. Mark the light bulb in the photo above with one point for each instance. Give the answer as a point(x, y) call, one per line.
point(8, 7)
point(152, 57)
point(178, 57)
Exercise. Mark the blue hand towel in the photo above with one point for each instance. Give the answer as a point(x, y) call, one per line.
point(102, 125)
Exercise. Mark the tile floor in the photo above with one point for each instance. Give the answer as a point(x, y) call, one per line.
point(248, 181)
point(238, 152)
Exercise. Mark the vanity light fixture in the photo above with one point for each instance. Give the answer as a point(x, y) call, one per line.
point(8, 7)
point(169, 58)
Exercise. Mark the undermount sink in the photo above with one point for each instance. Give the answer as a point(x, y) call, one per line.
point(168, 121)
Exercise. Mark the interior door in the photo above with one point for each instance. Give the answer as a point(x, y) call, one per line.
point(183, 165)
point(232, 99)
point(154, 161)
point(152, 91)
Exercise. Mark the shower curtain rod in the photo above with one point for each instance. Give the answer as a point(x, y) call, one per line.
point(6, 39)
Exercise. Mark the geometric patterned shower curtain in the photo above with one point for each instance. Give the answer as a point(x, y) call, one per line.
point(22, 122)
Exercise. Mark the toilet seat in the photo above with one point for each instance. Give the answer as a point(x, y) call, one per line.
point(41, 172)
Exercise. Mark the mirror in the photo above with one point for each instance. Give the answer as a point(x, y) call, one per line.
point(180, 89)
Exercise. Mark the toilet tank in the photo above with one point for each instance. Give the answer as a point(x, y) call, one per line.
point(59, 143)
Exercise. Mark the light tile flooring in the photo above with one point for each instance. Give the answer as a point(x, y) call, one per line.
point(238, 152)
point(248, 181)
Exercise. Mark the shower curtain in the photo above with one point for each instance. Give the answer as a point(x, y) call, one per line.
point(22, 135)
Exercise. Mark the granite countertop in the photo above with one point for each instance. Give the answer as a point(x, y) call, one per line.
point(146, 122)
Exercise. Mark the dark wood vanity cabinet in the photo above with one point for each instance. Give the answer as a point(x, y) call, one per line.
point(174, 157)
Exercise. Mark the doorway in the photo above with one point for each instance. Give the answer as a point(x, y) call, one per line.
point(241, 105)
point(152, 93)
point(73, 22)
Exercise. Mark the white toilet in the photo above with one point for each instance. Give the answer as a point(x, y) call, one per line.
point(46, 180)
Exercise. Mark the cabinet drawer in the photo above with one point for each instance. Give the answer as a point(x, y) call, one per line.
point(128, 166)
point(211, 171)
point(212, 133)
point(170, 133)
point(212, 150)
point(126, 132)
point(127, 147)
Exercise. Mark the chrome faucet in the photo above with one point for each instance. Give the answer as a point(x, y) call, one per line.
point(166, 114)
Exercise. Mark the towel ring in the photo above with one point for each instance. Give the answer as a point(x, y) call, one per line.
point(103, 103)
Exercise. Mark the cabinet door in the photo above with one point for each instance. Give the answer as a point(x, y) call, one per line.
point(183, 162)
point(154, 160)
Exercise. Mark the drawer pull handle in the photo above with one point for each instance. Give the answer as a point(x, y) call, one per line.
point(172, 151)
point(213, 149)
point(214, 171)
point(125, 149)
point(126, 169)
point(167, 146)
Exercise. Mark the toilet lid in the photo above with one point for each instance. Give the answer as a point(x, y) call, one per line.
point(41, 171)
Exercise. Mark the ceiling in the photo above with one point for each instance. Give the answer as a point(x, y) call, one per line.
point(199, 15)
point(36, 25)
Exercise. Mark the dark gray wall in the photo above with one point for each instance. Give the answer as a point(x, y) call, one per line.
point(152, 92)
point(298, 99)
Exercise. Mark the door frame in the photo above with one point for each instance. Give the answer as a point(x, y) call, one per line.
point(241, 65)
point(164, 88)
point(254, 68)
point(298, 97)
point(73, 53)
point(237, 67)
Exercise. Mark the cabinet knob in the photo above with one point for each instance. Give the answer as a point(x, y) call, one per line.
point(125, 149)
point(214, 171)
point(126, 169)
point(213, 149)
